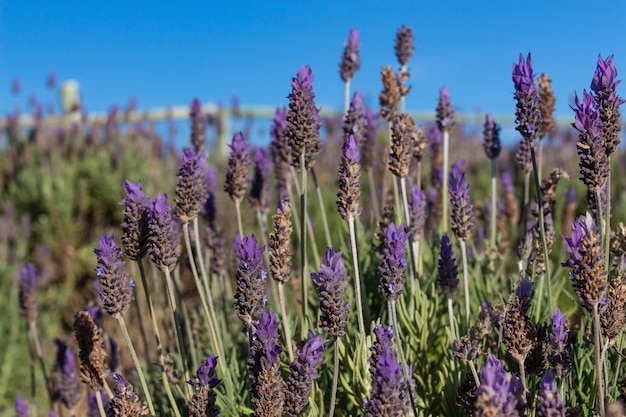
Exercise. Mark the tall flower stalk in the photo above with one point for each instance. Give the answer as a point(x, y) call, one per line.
point(528, 121)
point(462, 224)
point(135, 244)
point(491, 142)
point(237, 176)
point(445, 122)
point(350, 63)
point(115, 287)
point(348, 195)
point(589, 279)
point(280, 254)
point(331, 283)
point(303, 125)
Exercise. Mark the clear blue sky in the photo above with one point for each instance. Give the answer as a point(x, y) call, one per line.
point(167, 53)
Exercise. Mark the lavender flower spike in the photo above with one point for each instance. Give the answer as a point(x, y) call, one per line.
point(21, 409)
point(192, 188)
point(135, 225)
point(587, 262)
point(251, 278)
point(491, 137)
point(350, 59)
point(28, 292)
point(303, 122)
point(499, 393)
point(92, 403)
point(114, 285)
point(204, 396)
point(403, 135)
point(445, 111)
point(461, 212)
point(331, 283)
point(300, 382)
point(280, 152)
point(198, 127)
point(354, 120)
point(260, 190)
point(448, 271)
point(417, 205)
point(603, 85)
point(389, 393)
point(404, 45)
point(392, 264)
point(349, 189)
point(125, 403)
point(528, 112)
point(560, 359)
point(550, 403)
point(264, 367)
point(162, 235)
point(65, 375)
point(384, 340)
point(238, 163)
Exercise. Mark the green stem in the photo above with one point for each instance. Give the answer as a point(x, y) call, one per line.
point(205, 281)
point(357, 280)
point(465, 283)
point(201, 292)
point(542, 231)
point(405, 373)
point(598, 356)
point(346, 97)
point(157, 337)
point(39, 353)
point(303, 256)
point(522, 372)
point(451, 317)
point(283, 313)
point(607, 221)
point(407, 222)
point(333, 392)
point(320, 200)
point(239, 224)
point(616, 374)
point(444, 193)
point(133, 355)
point(494, 210)
point(171, 297)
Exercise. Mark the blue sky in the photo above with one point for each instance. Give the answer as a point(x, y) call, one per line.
point(167, 53)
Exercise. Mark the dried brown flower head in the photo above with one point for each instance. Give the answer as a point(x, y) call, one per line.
point(280, 251)
point(547, 103)
point(389, 98)
point(92, 351)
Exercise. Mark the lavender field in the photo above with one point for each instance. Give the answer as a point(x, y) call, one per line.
point(366, 264)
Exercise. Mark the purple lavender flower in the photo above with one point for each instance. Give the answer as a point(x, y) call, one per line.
point(65, 377)
point(135, 225)
point(528, 112)
point(204, 396)
point(238, 162)
point(303, 122)
point(384, 340)
point(391, 267)
point(403, 136)
point(251, 278)
point(197, 137)
point(349, 188)
point(125, 403)
point(114, 285)
point(280, 152)
point(560, 359)
point(404, 45)
point(445, 111)
point(264, 366)
point(115, 358)
point(448, 271)
point(192, 187)
point(331, 283)
point(594, 162)
point(491, 137)
point(354, 120)
point(523, 155)
point(389, 391)
point(369, 139)
point(587, 262)
point(417, 204)
point(260, 191)
point(92, 403)
point(603, 85)
point(507, 183)
point(499, 393)
point(302, 374)
point(21, 409)
point(350, 59)
point(28, 292)
point(550, 403)
point(162, 235)
point(461, 210)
